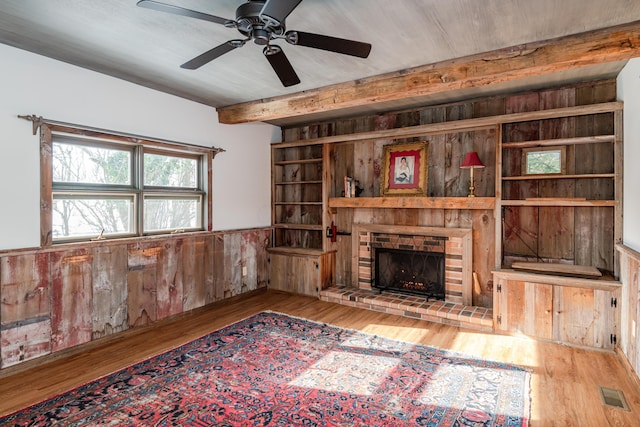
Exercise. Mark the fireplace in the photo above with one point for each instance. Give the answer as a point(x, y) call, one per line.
point(414, 272)
point(453, 245)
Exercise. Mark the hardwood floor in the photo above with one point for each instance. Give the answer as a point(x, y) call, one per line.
point(564, 385)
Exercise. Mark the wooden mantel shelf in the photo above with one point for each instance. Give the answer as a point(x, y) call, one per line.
point(414, 202)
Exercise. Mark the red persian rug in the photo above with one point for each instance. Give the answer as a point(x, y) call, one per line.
point(276, 370)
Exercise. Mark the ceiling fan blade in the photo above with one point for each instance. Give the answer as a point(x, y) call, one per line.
point(281, 65)
point(278, 10)
point(212, 54)
point(332, 44)
point(162, 7)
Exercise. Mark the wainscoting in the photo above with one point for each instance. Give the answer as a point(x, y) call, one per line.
point(63, 296)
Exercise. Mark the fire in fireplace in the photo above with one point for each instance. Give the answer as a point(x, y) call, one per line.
point(415, 272)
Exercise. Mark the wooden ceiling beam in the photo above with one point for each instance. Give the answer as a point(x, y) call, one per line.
point(500, 66)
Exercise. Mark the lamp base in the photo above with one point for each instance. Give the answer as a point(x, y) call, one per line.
point(471, 185)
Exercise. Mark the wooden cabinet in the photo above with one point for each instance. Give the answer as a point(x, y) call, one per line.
point(573, 311)
point(301, 271)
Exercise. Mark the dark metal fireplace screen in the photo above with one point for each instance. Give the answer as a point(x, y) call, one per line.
point(415, 272)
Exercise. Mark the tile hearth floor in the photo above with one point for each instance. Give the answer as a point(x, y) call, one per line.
point(478, 318)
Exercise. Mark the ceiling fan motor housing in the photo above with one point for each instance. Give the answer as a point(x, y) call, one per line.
point(250, 24)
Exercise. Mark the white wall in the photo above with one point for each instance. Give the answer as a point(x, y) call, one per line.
point(629, 92)
point(33, 84)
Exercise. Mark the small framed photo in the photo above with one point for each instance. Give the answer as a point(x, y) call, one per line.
point(405, 170)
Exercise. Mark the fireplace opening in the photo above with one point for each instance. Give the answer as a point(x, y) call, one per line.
point(414, 272)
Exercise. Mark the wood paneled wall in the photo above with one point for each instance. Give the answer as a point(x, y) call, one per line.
point(363, 160)
point(64, 296)
point(630, 307)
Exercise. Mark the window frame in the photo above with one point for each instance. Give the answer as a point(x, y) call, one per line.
point(50, 133)
point(563, 159)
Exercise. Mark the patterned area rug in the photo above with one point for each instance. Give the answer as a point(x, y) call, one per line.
point(276, 370)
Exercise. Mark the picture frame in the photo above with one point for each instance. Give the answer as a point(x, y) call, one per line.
point(405, 170)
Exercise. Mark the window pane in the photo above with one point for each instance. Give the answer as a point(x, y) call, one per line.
point(169, 171)
point(172, 213)
point(543, 162)
point(74, 163)
point(78, 216)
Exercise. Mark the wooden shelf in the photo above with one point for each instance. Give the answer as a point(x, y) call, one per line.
point(414, 202)
point(297, 162)
point(298, 203)
point(560, 202)
point(309, 227)
point(560, 141)
point(290, 250)
point(298, 182)
point(558, 176)
point(459, 125)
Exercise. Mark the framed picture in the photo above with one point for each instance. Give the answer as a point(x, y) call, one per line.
point(405, 170)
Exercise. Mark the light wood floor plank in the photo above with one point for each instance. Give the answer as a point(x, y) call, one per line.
point(564, 385)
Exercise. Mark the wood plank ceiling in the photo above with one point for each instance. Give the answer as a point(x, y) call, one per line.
point(424, 51)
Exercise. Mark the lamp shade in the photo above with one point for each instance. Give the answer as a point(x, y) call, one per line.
point(471, 160)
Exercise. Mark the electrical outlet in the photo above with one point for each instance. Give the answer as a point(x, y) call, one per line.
point(244, 270)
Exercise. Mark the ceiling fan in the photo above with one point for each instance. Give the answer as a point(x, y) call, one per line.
point(263, 21)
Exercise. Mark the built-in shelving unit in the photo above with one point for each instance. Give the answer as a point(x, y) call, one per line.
point(297, 204)
point(572, 217)
point(543, 215)
point(301, 259)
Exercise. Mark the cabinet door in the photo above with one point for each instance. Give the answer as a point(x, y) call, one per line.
point(570, 315)
point(583, 317)
point(525, 307)
point(295, 274)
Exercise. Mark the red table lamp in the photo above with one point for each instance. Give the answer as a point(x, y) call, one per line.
point(471, 161)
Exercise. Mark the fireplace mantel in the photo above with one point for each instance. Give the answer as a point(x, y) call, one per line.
point(460, 241)
point(482, 203)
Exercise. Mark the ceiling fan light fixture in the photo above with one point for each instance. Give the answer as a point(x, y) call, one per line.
point(261, 36)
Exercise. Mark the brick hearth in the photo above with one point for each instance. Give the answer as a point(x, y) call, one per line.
point(478, 318)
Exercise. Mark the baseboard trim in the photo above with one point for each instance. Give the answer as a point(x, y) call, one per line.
point(628, 367)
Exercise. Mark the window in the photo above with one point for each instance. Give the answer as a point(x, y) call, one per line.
point(543, 161)
point(102, 187)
